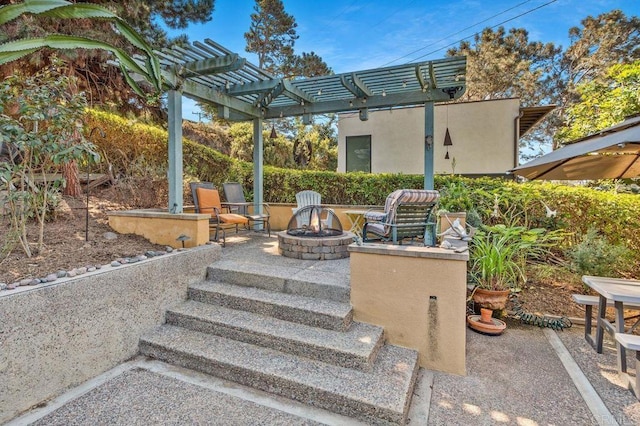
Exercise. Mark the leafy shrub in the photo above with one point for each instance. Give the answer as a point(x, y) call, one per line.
point(594, 255)
point(40, 120)
point(499, 253)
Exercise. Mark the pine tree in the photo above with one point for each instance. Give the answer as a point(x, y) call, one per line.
point(271, 36)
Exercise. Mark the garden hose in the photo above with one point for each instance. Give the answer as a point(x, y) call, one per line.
point(539, 320)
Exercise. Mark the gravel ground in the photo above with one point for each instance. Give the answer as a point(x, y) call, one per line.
point(514, 378)
point(140, 397)
point(602, 373)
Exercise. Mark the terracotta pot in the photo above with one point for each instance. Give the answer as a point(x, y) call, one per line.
point(485, 315)
point(491, 299)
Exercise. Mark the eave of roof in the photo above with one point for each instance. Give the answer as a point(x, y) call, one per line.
point(532, 116)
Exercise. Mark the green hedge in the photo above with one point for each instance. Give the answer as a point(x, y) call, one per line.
point(137, 148)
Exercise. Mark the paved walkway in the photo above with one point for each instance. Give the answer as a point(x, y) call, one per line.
point(527, 376)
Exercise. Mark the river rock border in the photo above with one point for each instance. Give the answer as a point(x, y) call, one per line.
point(54, 276)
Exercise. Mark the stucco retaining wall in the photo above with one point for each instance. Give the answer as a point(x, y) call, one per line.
point(418, 294)
point(59, 335)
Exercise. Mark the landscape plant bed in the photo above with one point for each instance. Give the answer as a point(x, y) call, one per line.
point(65, 245)
point(66, 249)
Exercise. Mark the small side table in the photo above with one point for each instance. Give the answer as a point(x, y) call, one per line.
point(356, 219)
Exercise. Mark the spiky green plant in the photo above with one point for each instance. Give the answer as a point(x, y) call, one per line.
point(495, 263)
point(61, 9)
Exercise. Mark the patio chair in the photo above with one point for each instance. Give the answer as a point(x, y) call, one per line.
point(308, 198)
point(234, 194)
point(408, 213)
point(194, 194)
point(206, 200)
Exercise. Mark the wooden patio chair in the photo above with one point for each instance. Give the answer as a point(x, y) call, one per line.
point(408, 213)
point(207, 201)
point(307, 198)
point(234, 196)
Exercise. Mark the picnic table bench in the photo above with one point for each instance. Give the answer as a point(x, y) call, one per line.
point(589, 302)
point(632, 343)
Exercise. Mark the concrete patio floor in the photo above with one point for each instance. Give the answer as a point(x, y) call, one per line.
point(527, 376)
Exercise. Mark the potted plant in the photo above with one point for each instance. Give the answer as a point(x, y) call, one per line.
point(498, 255)
point(495, 267)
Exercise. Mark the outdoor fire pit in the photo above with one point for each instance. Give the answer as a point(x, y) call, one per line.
point(314, 233)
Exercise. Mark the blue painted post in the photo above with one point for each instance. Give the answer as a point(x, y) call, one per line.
point(174, 101)
point(258, 169)
point(428, 145)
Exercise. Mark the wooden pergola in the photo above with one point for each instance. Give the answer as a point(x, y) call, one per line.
point(209, 73)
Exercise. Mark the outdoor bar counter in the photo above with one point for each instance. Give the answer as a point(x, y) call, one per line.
point(418, 294)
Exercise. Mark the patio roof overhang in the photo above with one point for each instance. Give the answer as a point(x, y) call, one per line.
point(209, 73)
point(532, 116)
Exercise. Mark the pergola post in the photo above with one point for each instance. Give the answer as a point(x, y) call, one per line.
point(428, 145)
point(174, 101)
point(258, 169)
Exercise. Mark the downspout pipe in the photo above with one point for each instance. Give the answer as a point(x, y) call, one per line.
point(516, 139)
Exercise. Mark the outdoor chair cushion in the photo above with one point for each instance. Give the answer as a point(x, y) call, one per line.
point(209, 202)
point(194, 193)
point(376, 228)
point(375, 216)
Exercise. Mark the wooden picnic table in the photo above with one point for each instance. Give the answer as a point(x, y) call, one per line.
point(620, 291)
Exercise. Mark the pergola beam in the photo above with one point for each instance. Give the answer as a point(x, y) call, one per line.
point(432, 76)
point(266, 98)
point(253, 87)
point(212, 65)
point(351, 87)
point(423, 84)
point(361, 86)
point(205, 93)
point(373, 102)
point(296, 94)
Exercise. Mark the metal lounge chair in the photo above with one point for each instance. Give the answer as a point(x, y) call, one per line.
point(206, 200)
point(408, 213)
point(234, 194)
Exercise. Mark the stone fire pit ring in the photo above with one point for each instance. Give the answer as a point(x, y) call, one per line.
point(319, 248)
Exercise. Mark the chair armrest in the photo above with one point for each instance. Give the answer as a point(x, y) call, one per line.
point(265, 206)
point(214, 215)
point(249, 206)
point(375, 216)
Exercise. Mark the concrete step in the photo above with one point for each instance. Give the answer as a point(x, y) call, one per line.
point(355, 348)
point(285, 279)
point(381, 396)
point(289, 307)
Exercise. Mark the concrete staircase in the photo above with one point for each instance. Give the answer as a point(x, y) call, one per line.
point(268, 332)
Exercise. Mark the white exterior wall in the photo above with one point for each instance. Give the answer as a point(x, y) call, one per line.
point(482, 133)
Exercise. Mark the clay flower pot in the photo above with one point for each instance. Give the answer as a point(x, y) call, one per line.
point(485, 315)
point(485, 323)
point(491, 299)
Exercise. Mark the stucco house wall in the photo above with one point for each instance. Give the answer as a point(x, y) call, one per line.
point(483, 134)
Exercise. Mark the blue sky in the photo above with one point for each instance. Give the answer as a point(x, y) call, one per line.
point(352, 35)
